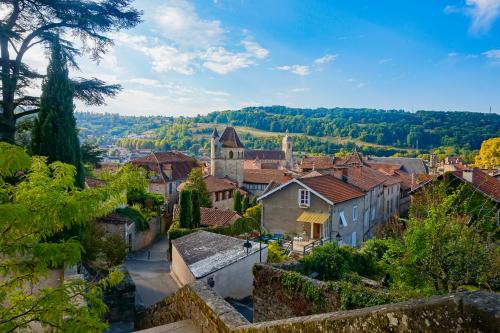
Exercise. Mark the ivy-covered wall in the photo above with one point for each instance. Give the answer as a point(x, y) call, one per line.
point(280, 294)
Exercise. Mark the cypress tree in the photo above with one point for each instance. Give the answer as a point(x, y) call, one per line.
point(245, 203)
point(54, 133)
point(185, 205)
point(237, 201)
point(196, 213)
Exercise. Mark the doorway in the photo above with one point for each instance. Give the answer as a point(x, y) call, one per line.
point(316, 230)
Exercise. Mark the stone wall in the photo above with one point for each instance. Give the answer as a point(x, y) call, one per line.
point(143, 239)
point(197, 302)
point(272, 301)
point(460, 312)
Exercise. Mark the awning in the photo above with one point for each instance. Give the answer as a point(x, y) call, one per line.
point(310, 217)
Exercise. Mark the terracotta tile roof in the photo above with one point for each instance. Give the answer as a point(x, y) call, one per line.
point(365, 177)
point(213, 217)
point(264, 154)
point(215, 184)
point(230, 139)
point(486, 184)
point(354, 159)
point(162, 163)
point(332, 188)
point(265, 176)
point(316, 162)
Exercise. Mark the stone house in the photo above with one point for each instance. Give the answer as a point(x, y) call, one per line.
point(223, 262)
point(220, 190)
point(169, 170)
point(318, 207)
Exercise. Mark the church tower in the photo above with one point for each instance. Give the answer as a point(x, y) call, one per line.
point(227, 155)
point(287, 148)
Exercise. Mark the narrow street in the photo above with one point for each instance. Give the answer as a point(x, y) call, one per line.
point(150, 271)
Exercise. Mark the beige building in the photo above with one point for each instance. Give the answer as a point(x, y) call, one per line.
point(223, 262)
point(314, 208)
point(227, 155)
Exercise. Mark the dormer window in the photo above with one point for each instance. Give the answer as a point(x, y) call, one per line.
point(304, 198)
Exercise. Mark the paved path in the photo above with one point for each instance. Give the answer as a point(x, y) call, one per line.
point(150, 271)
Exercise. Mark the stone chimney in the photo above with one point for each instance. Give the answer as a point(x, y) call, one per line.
point(468, 175)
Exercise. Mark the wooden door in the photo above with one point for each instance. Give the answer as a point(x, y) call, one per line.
point(316, 231)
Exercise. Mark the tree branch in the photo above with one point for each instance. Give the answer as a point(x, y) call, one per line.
point(26, 113)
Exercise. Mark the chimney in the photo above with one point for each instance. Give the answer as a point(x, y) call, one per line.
point(468, 175)
point(167, 169)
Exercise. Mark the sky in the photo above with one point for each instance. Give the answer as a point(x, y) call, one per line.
point(194, 57)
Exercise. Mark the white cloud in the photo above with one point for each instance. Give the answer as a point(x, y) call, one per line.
point(168, 58)
point(325, 59)
point(361, 85)
point(5, 11)
point(299, 90)
point(483, 14)
point(492, 54)
point(301, 70)
point(384, 61)
point(180, 23)
point(255, 49)
point(221, 61)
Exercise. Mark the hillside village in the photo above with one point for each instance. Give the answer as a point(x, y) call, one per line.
point(261, 205)
point(167, 200)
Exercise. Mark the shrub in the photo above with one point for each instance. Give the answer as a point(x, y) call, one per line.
point(275, 253)
point(133, 213)
point(254, 212)
point(354, 295)
point(185, 209)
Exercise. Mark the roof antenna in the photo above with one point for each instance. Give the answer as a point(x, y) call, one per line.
point(490, 108)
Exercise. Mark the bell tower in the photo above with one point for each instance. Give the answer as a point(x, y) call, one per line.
point(287, 148)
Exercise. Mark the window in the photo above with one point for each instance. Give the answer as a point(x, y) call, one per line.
point(304, 198)
point(354, 213)
point(353, 239)
point(231, 154)
point(342, 220)
point(170, 188)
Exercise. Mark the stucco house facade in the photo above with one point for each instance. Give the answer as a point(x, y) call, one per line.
point(314, 208)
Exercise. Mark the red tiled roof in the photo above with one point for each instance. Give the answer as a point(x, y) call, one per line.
point(483, 182)
point(213, 217)
point(215, 184)
point(332, 189)
point(161, 162)
point(230, 138)
point(316, 162)
point(265, 176)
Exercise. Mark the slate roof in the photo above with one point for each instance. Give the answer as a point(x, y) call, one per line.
point(332, 188)
point(264, 154)
point(206, 252)
point(481, 181)
point(115, 218)
point(230, 139)
point(410, 165)
point(265, 176)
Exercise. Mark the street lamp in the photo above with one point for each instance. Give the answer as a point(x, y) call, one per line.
point(247, 245)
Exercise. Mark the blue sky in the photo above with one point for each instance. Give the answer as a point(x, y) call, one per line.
point(191, 57)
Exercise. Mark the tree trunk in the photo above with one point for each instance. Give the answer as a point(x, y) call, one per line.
point(7, 126)
point(7, 118)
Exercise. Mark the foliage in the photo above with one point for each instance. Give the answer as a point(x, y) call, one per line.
point(195, 209)
point(28, 23)
point(239, 227)
point(237, 201)
point(254, 202)
point(54, 134)
point(185, 209)
point(102, 251)
point(134, 213)
point(245, 203)
point(195, 182)
point(425, 129)
point(354, 295)
point(275, 253)
point(91, 154)
point(489, 154)
point(34, 207)
point(254, 212)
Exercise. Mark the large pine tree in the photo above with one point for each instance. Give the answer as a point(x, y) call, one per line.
point(54, 134)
